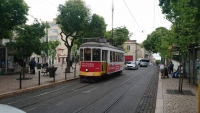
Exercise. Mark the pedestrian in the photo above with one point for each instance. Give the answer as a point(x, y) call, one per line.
point(31, 67)
point(176, 73)
point(171, 67)
point(71, 64)
point(162, 70)
point(34, 65)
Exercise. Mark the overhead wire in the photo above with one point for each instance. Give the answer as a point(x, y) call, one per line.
point(159, 15)
point(132, 15)
point(154, 15)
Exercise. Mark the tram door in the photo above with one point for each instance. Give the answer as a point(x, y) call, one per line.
point(104, 61)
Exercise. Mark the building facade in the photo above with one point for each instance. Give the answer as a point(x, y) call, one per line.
point(133, 51)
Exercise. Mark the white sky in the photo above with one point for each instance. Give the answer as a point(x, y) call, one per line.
point(146, 14)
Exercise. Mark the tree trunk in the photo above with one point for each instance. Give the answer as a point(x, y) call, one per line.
point(68, 59)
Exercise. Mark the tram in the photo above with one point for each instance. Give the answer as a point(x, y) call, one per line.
point(98, 58)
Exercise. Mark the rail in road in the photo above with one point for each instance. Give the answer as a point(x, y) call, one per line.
point(38, 101)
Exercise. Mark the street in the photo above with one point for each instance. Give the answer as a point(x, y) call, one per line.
point(133, 91)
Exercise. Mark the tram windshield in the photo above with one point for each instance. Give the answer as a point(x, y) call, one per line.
point(87, 54)
point(96, 55)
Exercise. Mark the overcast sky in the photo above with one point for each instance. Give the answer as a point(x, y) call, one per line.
point(140, 17)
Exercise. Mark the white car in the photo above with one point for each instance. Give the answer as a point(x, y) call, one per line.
point(131, 65)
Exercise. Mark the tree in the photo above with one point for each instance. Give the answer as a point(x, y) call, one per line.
point(119, 37)
point(13, 13)
point(73, 19)
point(28, 36)
point(96, 28)
point(52, 45)
point(157, 41)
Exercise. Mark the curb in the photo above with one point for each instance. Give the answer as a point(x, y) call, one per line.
point(159, 101)
point(19, 91)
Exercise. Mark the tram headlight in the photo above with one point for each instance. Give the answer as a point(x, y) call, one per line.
point(86, 70)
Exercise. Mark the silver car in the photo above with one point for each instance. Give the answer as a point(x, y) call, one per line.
point(143, 64)
point(131, 65)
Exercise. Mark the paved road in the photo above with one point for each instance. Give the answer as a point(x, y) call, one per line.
point(133, 91)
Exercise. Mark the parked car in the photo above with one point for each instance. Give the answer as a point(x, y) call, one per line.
point(131, 65)
point(143, 64)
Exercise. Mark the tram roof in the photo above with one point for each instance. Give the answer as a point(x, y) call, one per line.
point(96, 44)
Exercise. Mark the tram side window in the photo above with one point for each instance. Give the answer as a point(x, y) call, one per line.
point(81, 54)
point(117, 57)
point(87, 54)
point(104, 55)
point(96, 55)
point(114, 57)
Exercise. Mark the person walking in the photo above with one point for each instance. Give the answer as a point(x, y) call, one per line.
point(33, 64)
point(71, 62)
point(162, 70)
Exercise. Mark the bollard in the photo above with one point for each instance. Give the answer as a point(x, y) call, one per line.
point(75, 71)
point(39, 78)
point(65, 73)
point(20, 81)
point(53, 74)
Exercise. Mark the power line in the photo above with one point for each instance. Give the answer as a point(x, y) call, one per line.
point(154, 14)
point(131, 14)
point(51, 3)
point(159, 15)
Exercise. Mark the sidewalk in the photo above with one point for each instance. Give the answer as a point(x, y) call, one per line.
point(170, 101)
point(9, 85)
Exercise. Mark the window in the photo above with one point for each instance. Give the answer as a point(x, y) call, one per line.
point(52, 38)
point(96, 55)
point(111, 56)
point(114, 57)
point(87, 54)
point(53, 24)
point(81, 54)
point(54, 31)
point(128, 47)
point(62, 52)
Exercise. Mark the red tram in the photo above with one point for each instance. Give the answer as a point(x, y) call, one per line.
point(99, 58)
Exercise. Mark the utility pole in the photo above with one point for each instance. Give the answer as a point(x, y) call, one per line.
point(112, 18)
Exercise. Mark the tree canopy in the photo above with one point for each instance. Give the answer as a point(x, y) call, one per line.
point(13, 13)
point(96, 28)
point(27, 40)
point(120, 35)
point(73, 19)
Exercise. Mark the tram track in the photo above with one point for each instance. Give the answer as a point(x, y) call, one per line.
point(111, 90)
point(46, 93)
point(73, 87)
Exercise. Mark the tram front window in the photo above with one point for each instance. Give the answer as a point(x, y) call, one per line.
point(96, 55)
point(87, 54)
